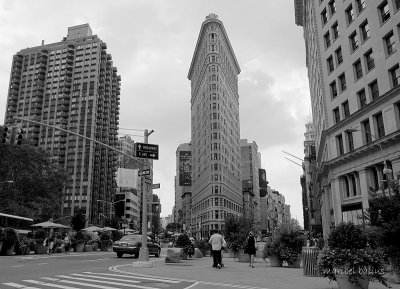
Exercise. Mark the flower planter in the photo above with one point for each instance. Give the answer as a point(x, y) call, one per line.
point(61, 249)
point(296, 263)
point(275, 261)
point(88, 248)
point(242, 257)
point(1, 245)
point(40, 249)
point(231, 254)
point(9, 251)
point(79, 247)
point(344, 282)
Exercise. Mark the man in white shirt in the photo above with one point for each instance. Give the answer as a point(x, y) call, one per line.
point(216, 241)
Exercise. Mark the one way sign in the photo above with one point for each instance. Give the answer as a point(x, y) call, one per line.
point(146, 151)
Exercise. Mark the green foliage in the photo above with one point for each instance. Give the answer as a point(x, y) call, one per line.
point(183, 241)
point(23, 245)
point(11, 238)
point(272, 248)
point(203, 246)
point(39, 236)
point(349, 253)
point(105, 241)
point(174, 226)
point(37, 185)
point(2, 235)
point(290, 246)
point(116, 235)
point(80, 237)
point(78, 221)
point(384, 217)
point(237, 230)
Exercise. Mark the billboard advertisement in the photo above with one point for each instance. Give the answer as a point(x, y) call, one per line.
point(185, 168)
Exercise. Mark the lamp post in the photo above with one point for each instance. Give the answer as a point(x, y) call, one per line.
point(386, 171)
point(144, 251)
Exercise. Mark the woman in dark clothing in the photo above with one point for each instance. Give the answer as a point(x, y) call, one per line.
point(251, 248)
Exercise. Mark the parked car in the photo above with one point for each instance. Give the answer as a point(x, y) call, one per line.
point(130, 244)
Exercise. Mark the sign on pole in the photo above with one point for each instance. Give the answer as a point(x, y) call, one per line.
point(144, 172)
point(146, 151)
point(156, 186)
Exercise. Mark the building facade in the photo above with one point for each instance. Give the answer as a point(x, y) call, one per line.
point(353, 69)
point(250, 164)
point(215, 129)
point(74, 85)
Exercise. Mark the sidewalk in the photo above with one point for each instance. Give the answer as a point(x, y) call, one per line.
point(236, 273)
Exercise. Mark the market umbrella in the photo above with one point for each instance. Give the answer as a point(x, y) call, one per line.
point(50, 225)
point(92, 229)
point(128, 231)
point(108, 229)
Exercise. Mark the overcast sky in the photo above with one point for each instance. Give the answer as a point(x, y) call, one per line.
point(152, 44)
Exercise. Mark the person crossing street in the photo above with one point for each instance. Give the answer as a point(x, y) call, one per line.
point(216, 241)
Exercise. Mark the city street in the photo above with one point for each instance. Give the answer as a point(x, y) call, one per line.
point(105, 270)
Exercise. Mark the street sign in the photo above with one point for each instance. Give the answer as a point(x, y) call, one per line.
point(146, 151)
point(144, 172)
point(156, 186)
point(272, 215)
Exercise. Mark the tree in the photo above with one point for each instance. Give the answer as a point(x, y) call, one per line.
point(78, 221)
point(237, 230)
point(174, 226)
point(36, 191)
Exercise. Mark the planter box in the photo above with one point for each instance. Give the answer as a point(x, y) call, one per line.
point(275, 261)
point(344, 282)
point(40, 249)
point(88, 248)
point(296, 264)
point(60, 250)
point(242, 257)
point(79, 247)
point(9, 251)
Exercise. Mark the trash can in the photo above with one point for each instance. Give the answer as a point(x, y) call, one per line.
point(309, 256)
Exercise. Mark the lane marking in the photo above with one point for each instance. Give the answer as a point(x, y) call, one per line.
point(155, 278)
point(16, 266)
point(16, 285)
point(94, 260)
point(49, 284)
point(105, 278)
point(105, 282)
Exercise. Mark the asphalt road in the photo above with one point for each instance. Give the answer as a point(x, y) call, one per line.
point(75, 270)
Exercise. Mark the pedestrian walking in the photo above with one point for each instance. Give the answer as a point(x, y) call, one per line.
point(216, 241)
point(51, 245)
point(67, 243)
point(250, 248)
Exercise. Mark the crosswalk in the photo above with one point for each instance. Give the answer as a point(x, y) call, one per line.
point(97, 280)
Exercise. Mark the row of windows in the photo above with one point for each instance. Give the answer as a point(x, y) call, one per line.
point(360, 5)
point(367, 134)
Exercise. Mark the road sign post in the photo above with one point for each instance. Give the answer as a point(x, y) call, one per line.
point(146, 151)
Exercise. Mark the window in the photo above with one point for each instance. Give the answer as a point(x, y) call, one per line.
point(366, 128)
point(353, 41)
point(350, 141)
point(357, 69)
point(349, 14)
point(333, 89)
point(339, 56)
point(332, 7)
point(369, 60)
point(397, 4)
point(365, 33)
point(379, 125)
point(362, 98)
point(389, 42)
point(345, 109)
point(384, 11)
point(339, 144)
point(327, 40)
point(324, 17)
point(335, 31)
point(336, 115)
point(330, 64)
point(373, 87)
point(395, 75)
point(342, 82)
point(360, 5)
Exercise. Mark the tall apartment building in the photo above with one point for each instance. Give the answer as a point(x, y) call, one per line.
point(215, 130)
point(183, 185)
point(353, 69)
point(250, 164)
point(74, 85)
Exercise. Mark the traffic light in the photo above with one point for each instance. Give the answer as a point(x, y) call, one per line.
point(6, 135)
point(19, 137)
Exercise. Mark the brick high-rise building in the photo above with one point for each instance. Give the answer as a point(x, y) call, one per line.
point(354, 77)
point(74, 85)
point(215, 130)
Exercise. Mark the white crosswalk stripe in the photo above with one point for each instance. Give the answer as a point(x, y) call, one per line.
point(94, 280)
